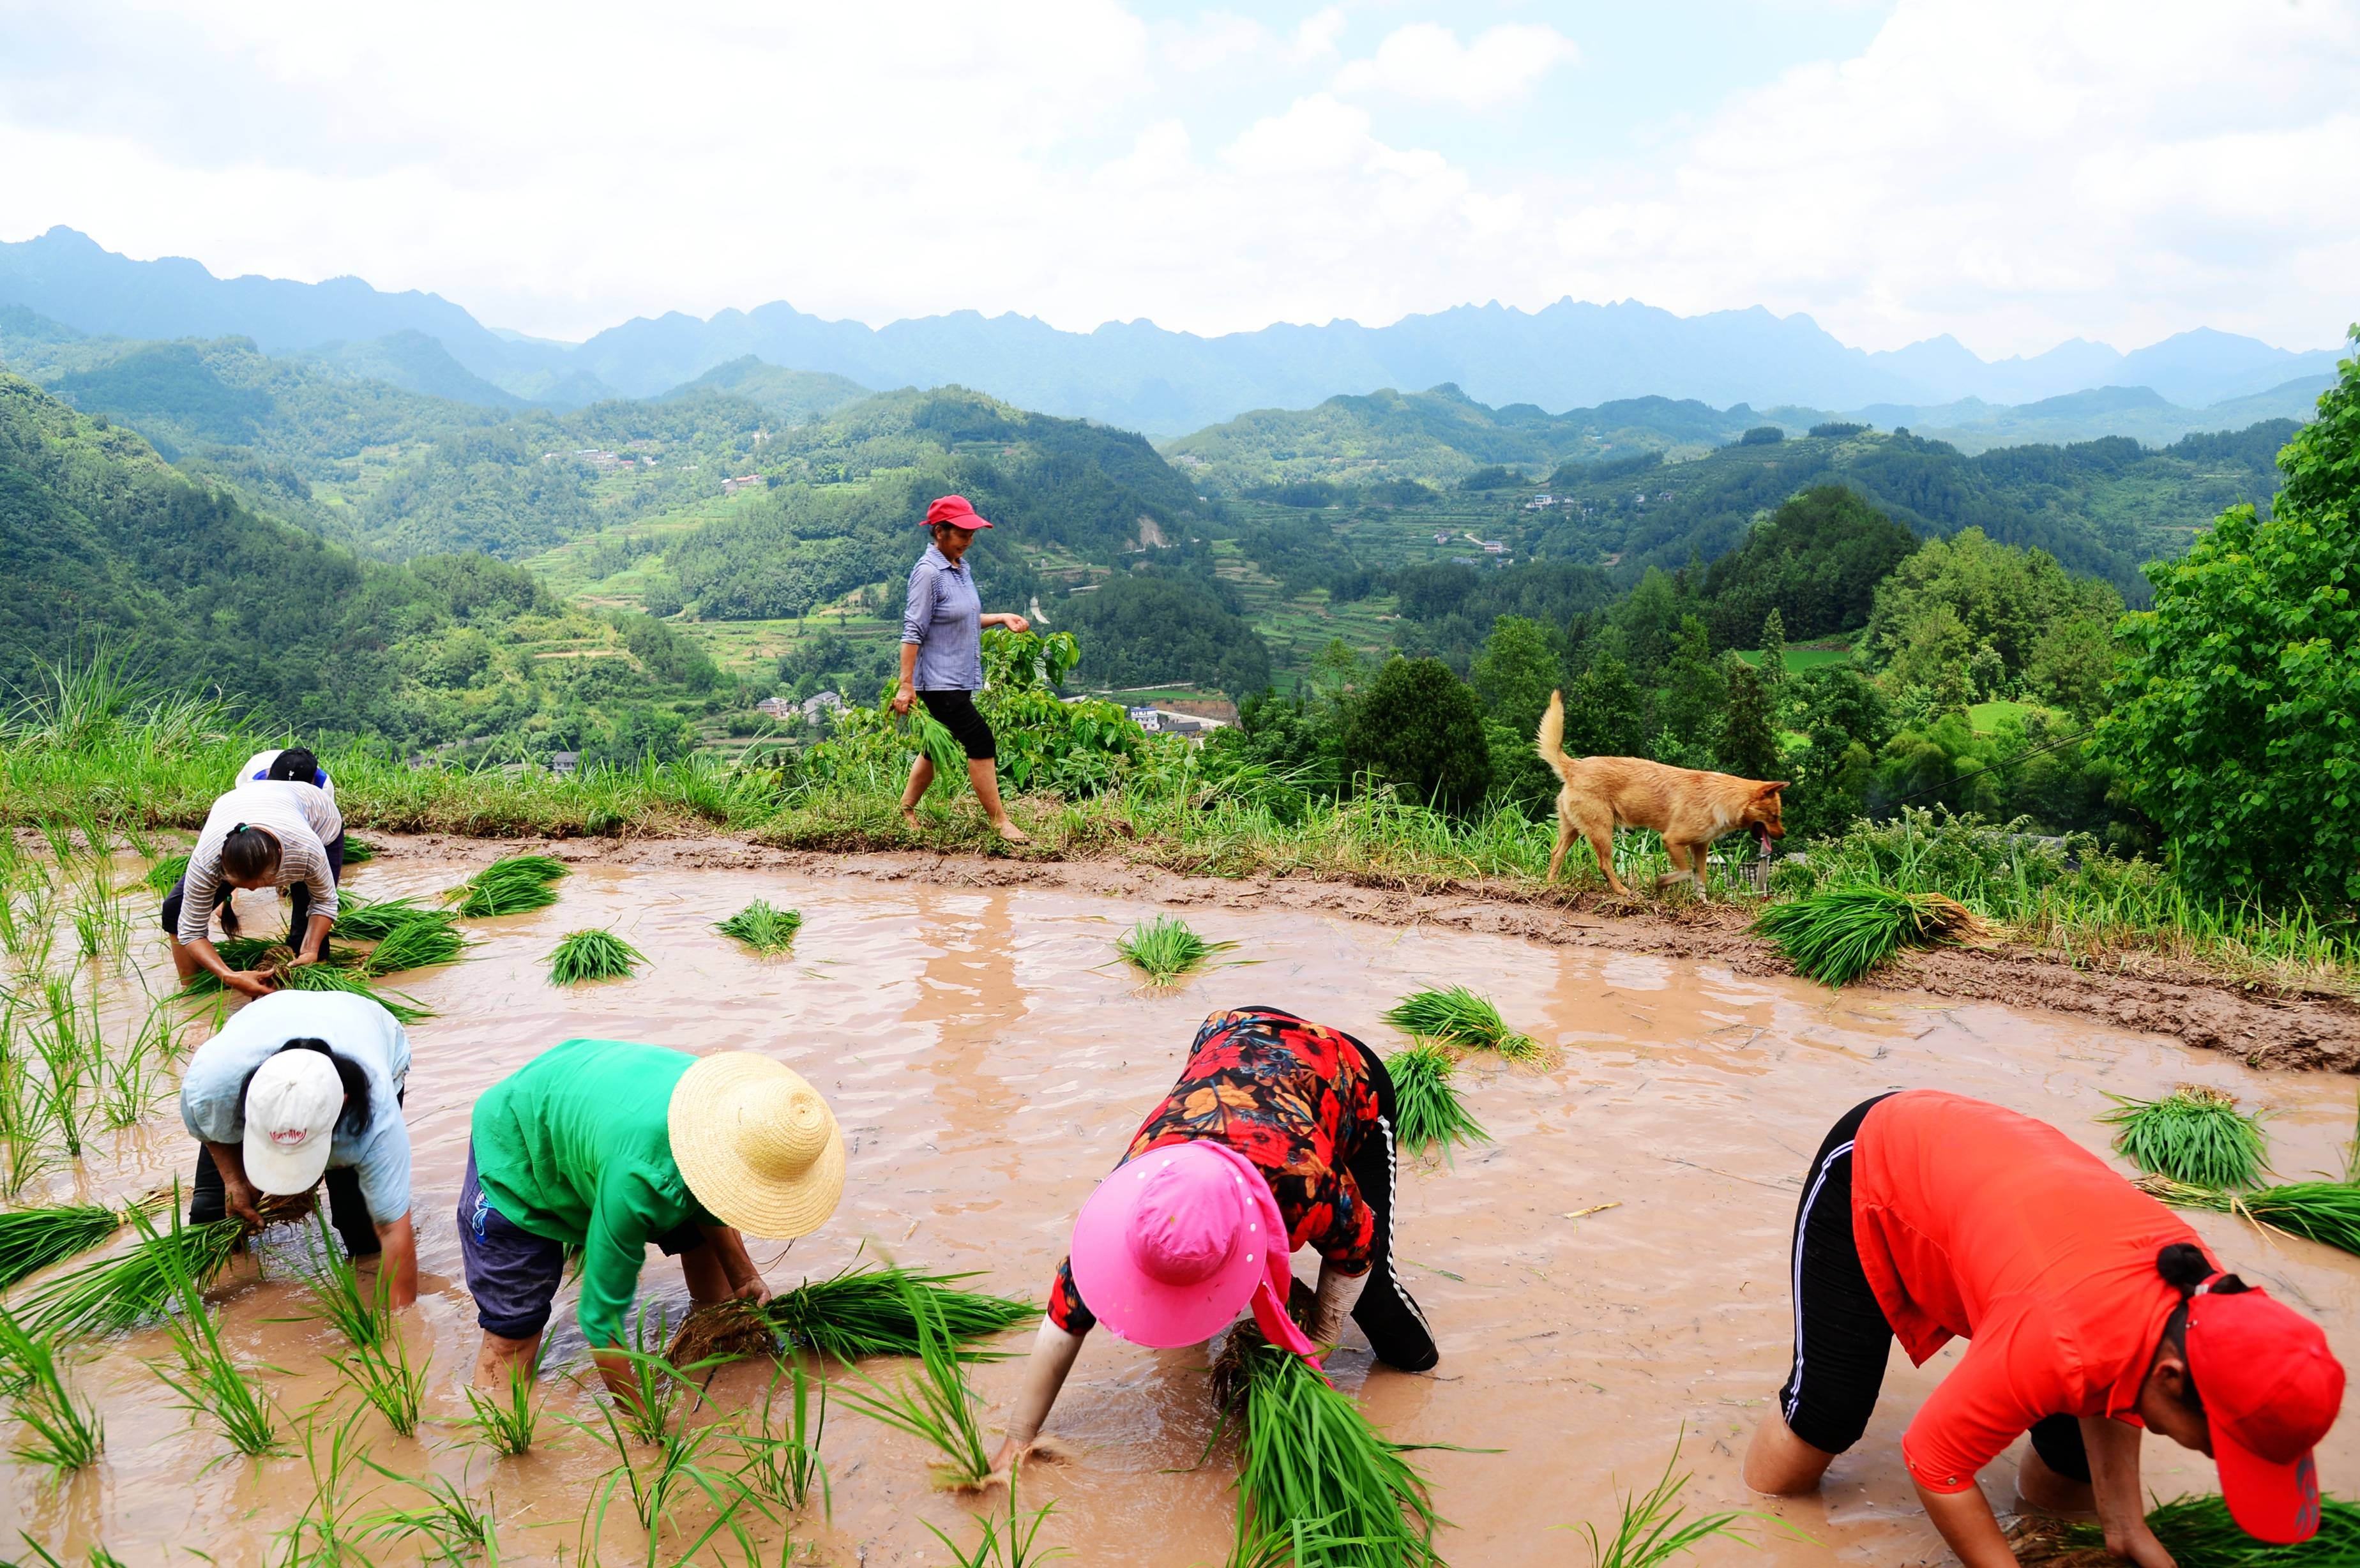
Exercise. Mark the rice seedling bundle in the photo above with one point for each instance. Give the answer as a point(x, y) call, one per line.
point(1457, 1015)
point(587, 955)
point(508, 886)
point(932, 739)
point(762, 927)
point(2198, 1533)
point(336, 978)
point(32, 1239)
point(2324, 1211)
point(2195, 1134)
point(1839, 935)
point(1163, 949)
point(60, 1429)
point(864, 1310)
point(137, 1285)
point(373, 919)
point(359, 851)
point(1308, 1455)
point(419, 943)
point(1428, 1110)
point(936, 1405)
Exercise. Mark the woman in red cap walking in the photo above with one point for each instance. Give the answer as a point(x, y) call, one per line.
point(2093, 1312)
point(1278, 1135)
point(942, 659)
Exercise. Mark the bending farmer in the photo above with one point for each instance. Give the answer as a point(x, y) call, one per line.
point(296, 763)
point(2094, 1312)
point(1278, 1135)
point(299, 1084)
point(264, 833)
point(942, 659)
point(607, 1146)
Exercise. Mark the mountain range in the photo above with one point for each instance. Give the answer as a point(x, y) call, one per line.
point(1135, 373)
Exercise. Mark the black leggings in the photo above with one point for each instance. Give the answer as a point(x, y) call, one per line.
point(955, 710)
point(301, 892)
point(1397, 1331)
point(1842, 1337)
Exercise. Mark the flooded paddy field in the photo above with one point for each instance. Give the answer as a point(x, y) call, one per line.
point(988, 1059)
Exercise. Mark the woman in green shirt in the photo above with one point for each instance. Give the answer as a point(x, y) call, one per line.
point(608, 1145)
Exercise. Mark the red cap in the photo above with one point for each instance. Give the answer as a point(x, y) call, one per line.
point(2271, 1388)
point(954, 510)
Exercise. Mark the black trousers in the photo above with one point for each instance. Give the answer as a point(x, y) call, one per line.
point(1842, 1337)
point(349, 1212)
point(1397, 1330)
point(301, 893)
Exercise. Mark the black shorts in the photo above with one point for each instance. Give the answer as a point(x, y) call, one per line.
point(1842, 1337)
point(955, 710)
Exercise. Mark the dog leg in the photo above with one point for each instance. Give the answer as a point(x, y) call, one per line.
point(1564, 842)
point(1601, 844)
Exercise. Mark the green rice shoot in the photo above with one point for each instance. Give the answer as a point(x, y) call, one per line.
point(336, 978)
point(359, 851)
point(373, 919)
point(1163, 949)
point(207, 1380)
point(32, 1239)
point(2195, 1134)
point(419, 943)
point(2198, 1533)
point(763, 926)
point(863, 1309)
point(168, 870)
point(60, 1431)
point(1839, 935)
point(384, 1377)
point(338, 1298)
point(2324, 1211)
point(507, 1427)
point(136, 1286)
point(1652, 1531)
point(510, 887)
point(1457, 1015)
point(587, 955)
point(936, 1404)
point(1428, 1112)
point(1309, 1456)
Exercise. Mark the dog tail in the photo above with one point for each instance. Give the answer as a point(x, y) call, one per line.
point(1550, 742)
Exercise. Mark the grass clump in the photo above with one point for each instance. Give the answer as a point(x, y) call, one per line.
point(762, 927)
point(1163, 949)
point(1429, 1112)
point(2198, 1533)
point(2324, 1211)
point(60, 1431)
point(1309, 1458)
point(509, 886)
point(865, 1309)
point(1651, 1529)
point(2194, 1134)
point(1838, 936)
point(935, 1405)
point(138, 1285)
point(586, 955)
point(1457, 1015)
point(32, 1239)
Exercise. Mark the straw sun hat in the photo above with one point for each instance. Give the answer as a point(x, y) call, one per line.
point(756, 1145)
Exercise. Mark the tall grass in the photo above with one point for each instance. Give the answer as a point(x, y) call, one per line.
point(2195, 1134)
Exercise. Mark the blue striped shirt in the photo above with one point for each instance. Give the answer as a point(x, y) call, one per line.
point(944, 618)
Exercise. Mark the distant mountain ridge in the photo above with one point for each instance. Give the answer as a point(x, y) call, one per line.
point(1137, 375)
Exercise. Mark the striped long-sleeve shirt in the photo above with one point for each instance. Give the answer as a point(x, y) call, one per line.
point(944, 616)
point(301, 817)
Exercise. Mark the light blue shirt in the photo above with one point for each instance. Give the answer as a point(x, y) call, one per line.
point(944, 618)
point(212, 1107)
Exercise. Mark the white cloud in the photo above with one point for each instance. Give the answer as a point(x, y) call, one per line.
point(1428, 63)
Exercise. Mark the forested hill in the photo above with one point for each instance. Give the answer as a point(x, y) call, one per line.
point(105, 547)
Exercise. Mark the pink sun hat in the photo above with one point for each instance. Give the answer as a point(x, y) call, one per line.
point(1176, 1240)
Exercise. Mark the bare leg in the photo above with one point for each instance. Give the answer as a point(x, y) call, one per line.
point(707, 1281)
point(2051, 1492)
point(983, 774)
point(184, 962)
point(922, 774)
point(498, 1357)
point(1779, 1463)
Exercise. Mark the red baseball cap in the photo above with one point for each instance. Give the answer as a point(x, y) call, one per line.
point(2271, 1388)
point(956, 511)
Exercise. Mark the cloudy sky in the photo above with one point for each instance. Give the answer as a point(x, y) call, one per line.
point(2016, 172)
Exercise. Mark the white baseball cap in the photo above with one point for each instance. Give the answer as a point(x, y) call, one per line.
point(292, 1108)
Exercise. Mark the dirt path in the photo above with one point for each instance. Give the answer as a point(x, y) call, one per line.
point(2189, 1003)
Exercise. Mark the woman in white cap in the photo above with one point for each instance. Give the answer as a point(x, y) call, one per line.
point(299, 1085)
point(607, 1146)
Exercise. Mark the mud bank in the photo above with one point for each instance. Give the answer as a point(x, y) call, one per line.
point(2194, 1006)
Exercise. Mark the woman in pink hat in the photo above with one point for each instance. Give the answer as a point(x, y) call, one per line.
point(942, 659)
point(1278, 1135)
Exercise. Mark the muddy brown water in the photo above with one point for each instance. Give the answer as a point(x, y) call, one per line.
point(988, 1061)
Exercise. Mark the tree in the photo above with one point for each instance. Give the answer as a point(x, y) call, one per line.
point(1419, 728)
point(2071, 664)
point(1515, 673)
point(1695, 690)
point(1605, 712)
point(2237, 718)
point(1774, 651)
point(2002, 596)
point(1749, 742)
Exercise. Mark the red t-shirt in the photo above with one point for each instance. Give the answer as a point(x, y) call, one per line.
point(1977, 1221)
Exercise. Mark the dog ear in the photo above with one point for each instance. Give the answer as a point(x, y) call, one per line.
point(1771, 788)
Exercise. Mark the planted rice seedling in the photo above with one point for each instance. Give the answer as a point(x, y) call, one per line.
point(762, 927)
point(677, 1468)
point(325, 1534)
point(448, 1523)
point(60, 1431)
point(782, 1462)
point(1839, 935)
point(509, 886)
point(338, 1298)
point(2324, 1211)
point(864, 1310)
point(1457, 1015)
point(1651, 1529)
point(32, 1239)
point(381, 1372)
point(1009, 1542)
point(138, 1285)
point(2198, 1533)
point(506, 1428)
point(99, 923)
point(1429, 1110)
point(2195, 1134)
point(586, 955)
point(1163, 949)
point(163, 873)
point(935, 1405)
point(207, 1380)
point(419, 942)
point(1309, 1457)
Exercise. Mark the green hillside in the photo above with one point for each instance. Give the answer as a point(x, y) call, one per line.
point(795, 396)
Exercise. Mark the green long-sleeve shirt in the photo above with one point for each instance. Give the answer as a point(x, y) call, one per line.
point(576, 1146)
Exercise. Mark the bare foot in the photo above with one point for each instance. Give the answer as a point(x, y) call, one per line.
point(1011, 833)
point(910, 819)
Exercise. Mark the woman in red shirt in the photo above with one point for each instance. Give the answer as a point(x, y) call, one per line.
point(2092, 1311)
point(1278, 1128)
